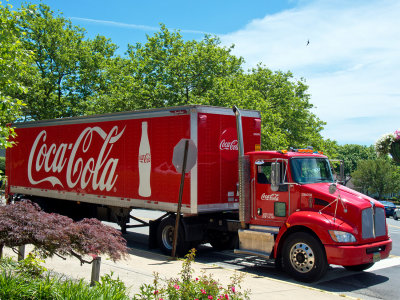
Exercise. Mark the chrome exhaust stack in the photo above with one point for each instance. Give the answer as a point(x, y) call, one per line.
point(244, 176)
point(239, 130)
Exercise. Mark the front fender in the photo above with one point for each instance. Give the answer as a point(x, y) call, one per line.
point(318, 223)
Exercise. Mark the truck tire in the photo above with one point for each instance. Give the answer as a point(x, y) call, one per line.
point(358, 268)
point(165, 237)
point(304, 257)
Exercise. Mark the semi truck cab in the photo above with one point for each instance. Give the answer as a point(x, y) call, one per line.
point(298, 215)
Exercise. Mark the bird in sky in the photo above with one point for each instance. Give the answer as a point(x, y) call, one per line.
point(308, 42)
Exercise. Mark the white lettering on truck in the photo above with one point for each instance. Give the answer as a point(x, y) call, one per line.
point(100, 171)
point(224, 145)
point(272, 197)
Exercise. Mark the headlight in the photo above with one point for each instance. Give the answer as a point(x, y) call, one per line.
point(342, 236)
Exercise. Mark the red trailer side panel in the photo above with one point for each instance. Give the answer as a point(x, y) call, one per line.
point(125, 160)
point(218, 158)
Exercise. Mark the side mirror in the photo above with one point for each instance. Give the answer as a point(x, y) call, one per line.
point(275, 176)
point(342, 179)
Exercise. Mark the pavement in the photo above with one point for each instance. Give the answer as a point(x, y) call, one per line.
point(139, 266)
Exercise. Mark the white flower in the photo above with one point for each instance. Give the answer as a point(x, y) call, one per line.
point(382, 145)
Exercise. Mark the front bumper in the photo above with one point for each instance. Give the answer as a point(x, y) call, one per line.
point(359, 254)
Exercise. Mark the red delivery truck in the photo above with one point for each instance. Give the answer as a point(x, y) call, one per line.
point(282, 205)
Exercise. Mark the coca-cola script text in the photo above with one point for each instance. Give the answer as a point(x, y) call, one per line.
point(97, 170)
point(224, 145)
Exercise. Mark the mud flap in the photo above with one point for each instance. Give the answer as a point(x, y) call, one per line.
point(153, 226)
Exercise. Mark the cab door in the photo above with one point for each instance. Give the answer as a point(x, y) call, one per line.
point(270, 205)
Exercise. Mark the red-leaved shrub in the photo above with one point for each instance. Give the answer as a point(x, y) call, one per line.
point(25, 223)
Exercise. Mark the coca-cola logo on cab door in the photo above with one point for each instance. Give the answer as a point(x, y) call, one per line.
point(228, 144)
point(81, 163)
point(272, 197)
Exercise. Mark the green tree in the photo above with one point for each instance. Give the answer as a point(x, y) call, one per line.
point(67, 68)
point(352, 154)
point(286, 109)
point(166, 71)
point(287, 120)
point(74, 76)
point(377, 176)
point(176, 72)
point(14, 61)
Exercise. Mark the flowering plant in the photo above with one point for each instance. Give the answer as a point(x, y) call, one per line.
point(198, 288)
point(384, 143)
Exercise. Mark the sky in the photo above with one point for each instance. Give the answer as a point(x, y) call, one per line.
point(347, 51)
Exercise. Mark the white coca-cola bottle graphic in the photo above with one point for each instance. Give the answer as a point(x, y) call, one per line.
point(144, 163)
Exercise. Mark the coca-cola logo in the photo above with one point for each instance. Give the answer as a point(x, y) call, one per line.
point(98, 170)
point(228, 144)
point(145, 158)
point(232, 145)
point(272, 197)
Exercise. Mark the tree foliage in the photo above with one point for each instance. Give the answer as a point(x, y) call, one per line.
point(67, 67)
point(24, 223)
point(168, 71)
point(73, 75)
point(352, 154)
point(377, 176)
point(14, 61)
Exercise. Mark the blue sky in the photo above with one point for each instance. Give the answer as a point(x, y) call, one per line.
point(352, 64)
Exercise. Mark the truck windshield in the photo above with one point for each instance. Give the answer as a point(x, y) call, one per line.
point(311, 170)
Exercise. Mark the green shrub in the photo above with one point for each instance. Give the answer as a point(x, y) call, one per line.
point(27, 279)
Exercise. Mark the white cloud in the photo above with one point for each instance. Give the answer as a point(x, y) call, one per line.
point(351, 65)
point(134, 26)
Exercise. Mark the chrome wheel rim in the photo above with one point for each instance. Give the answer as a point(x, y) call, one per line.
point(302, 257)
point(167, 236)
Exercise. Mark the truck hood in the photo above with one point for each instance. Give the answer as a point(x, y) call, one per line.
point(349, 196)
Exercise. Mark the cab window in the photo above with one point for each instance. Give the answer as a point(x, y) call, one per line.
point(264, 173)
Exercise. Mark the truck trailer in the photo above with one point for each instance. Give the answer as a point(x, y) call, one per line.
point(280, 205)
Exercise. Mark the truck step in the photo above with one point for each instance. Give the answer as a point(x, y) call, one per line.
point(254, 253)
point(255, 242)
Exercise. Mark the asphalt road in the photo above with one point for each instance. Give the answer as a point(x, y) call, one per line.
point(394, 231)
point(382, 281)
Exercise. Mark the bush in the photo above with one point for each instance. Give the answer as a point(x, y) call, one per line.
point(187, 287)
point(25, 223)
point(28, 279)
point(15, 283)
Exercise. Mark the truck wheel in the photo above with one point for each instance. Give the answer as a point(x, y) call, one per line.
point(304, 257)
point(358, 268)
point(165, 237)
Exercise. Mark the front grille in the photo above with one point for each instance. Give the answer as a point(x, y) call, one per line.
point(373, 222)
